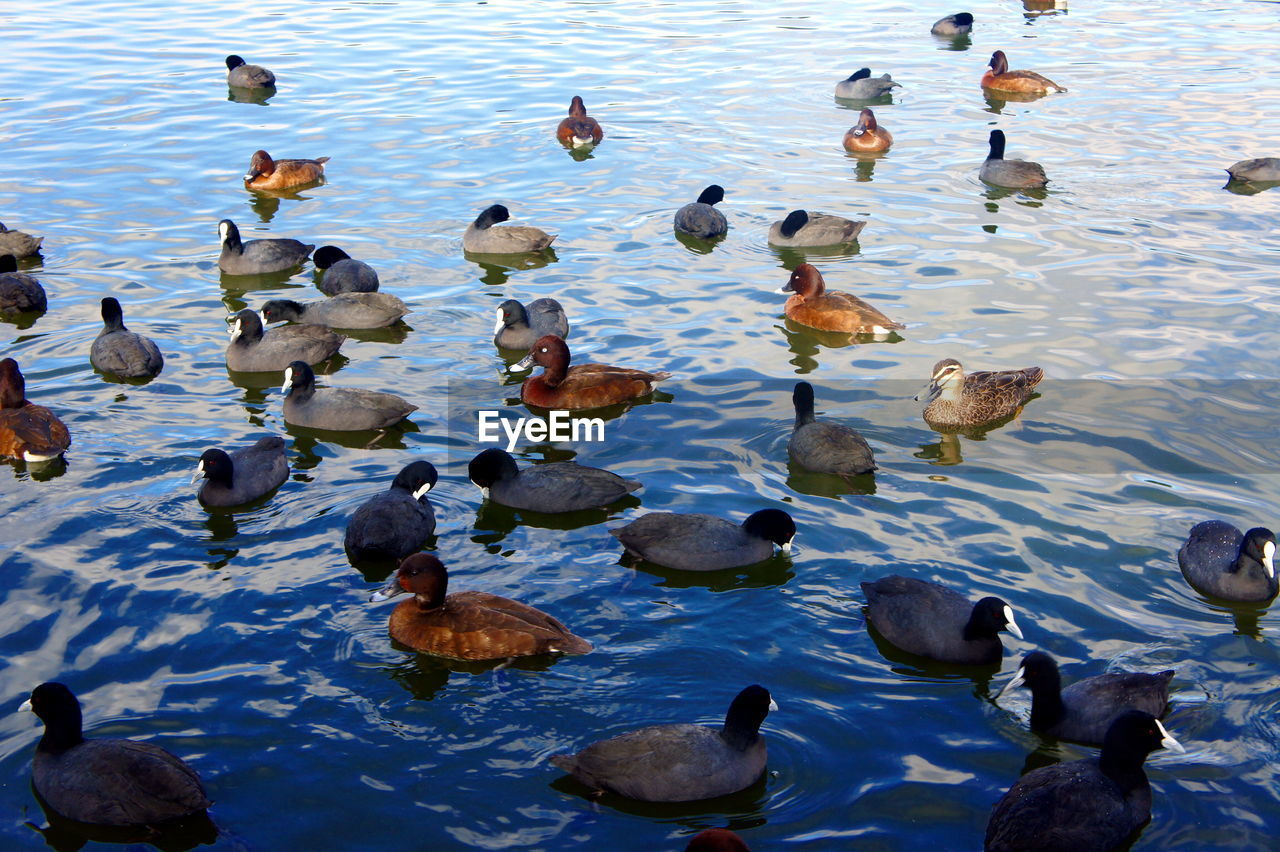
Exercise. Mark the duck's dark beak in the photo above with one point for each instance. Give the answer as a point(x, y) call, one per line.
point(928, 393)
point(390, 590)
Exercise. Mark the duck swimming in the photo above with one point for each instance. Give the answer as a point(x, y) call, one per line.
point(867, 137)
point(1000, 78)
point(253, 351)
point(18, 244)
point(241, 75)
point(257, 257)
point(337, 409)
point(1085, 710)
point(117, 351)
point(951, 26)
point(19, 292)
point(340, 273)
point(1016, 174)
point(579, 129)
point(519, 327)
point(106, 781)
point(802, 229)
point(959, 400)
point(680, 763)
point(861, 86)
point(486, 236)
point(29, 432)
point(345, 310)
point(1262, 169)
point(243, 475)
point(552, 487)
point(931, 620)
point(824, 446)
point(266, 173)
point(468, 625)
point(1220, 561)
point(813, 305)
point(697, 542)
point(397, 522)
point(1092, 804)
point(700, 218)
point(560, 386)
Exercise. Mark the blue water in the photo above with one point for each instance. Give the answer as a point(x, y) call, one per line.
point(244, 641)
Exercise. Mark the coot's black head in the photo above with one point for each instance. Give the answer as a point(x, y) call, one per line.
point(490, 466)
point(1260, 546)
point(802, 399)
point(246, 327)
point(1134, 735)
point(417, 478)
point(990, 616)
point(59, 709)
point(746, 714)
point(773, 525)
point(215, 465)
point(491, 215)
point(795, 220)
point(112, 315)
point(234, 62)
point(327, 256)
point(712, 195)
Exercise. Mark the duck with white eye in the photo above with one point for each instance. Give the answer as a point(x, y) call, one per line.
point(337, 409)
point(811, 303)
point(253, 350)
point(468, 625)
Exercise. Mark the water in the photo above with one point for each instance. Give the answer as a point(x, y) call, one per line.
point(244, 641)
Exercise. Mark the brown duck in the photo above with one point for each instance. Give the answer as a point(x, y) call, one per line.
point(266, 173)
point(1000, 78)
point(867, 137)
point(956, 399)
point(27, 431)
point(560, 386)
point(468, 625)
point(579, 129)
point(814, 306)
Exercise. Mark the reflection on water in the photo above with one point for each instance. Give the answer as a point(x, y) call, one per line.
point(248, 635)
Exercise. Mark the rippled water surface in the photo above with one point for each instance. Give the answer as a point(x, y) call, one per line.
point(244, 641)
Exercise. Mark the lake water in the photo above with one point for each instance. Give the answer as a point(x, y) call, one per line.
point(244, 641)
